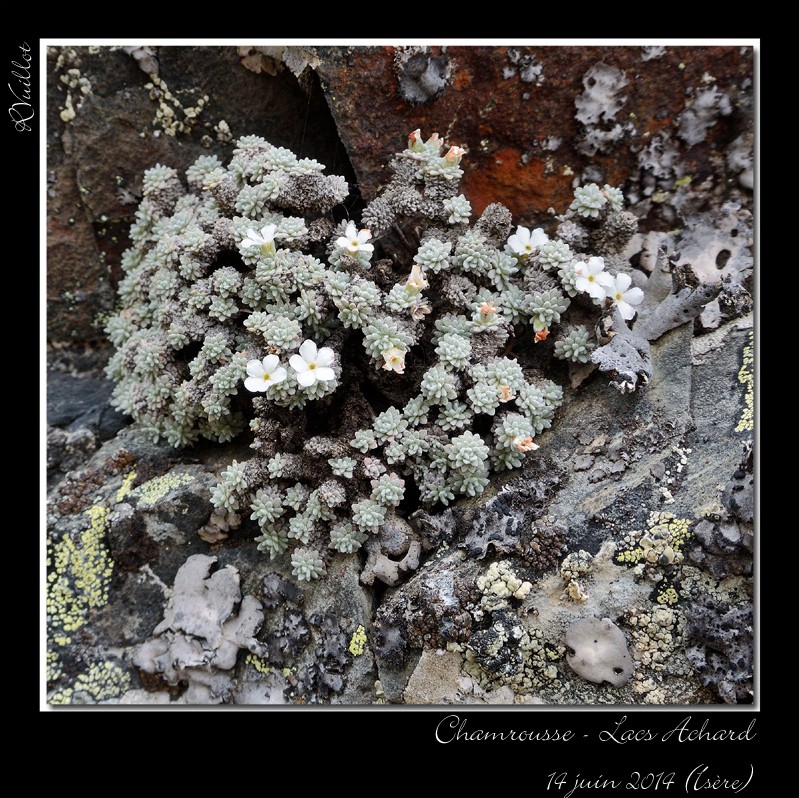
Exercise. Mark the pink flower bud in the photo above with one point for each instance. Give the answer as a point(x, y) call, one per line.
point(454, 154)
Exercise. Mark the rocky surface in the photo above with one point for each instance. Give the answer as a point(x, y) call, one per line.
point(637, 508)
point(663, 467)
point(534, 118)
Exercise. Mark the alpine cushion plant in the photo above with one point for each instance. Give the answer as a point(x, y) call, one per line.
point(361, 365)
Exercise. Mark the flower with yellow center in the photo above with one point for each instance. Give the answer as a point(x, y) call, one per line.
point(263, 374)
point(592, 279)
point(313, 364)
point(524, 243)
point(394, 360)
point(265, 240)
point(354, 240)
point(624, 297)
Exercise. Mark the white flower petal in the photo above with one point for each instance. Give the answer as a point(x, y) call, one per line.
point(596, 264)
point(592, 287)
point(343, 243)
point(255, 368)
point(271, 362)
point(306, 378)
point(596, 291)
point(268, 232)
point(279, 374)
point(363, 236)
point(308, 350)
point(325, 356)
point(520, 242)
point(538, 238)
point(623, 282)
point(351, 232)
point(298, 364)
point(324, 374)
point(366, 248)
point(627, 311)
point(604, 279)
point(256, 384)
point(635, 296)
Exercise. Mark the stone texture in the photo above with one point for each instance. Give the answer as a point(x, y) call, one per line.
point(81, 401)
point(520, 128)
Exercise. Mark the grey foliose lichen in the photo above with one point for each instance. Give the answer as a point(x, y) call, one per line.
point(364, 377)
point(205, 624)
point(598, 651)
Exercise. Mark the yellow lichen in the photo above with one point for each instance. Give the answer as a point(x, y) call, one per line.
point(53, 666)
point(152, 491)
point(656, 634)
point(79, 576)
point(746, 376)
point(75, 82)
point(358, 642)
point(102, 681)
point(683, 181)
point(126, 487)
point(257, 663)
point(660, 544)
point(668, 596)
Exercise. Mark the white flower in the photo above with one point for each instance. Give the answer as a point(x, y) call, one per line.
point(355, 241)
point(262, 374)
point(394, 359)
point(420, 310)
point(624, 297)
point(523, 242)
point(417, 281)
point(592, 278)
point(265, 239)
point(312, 364)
